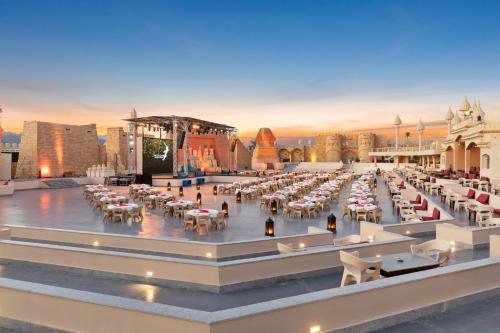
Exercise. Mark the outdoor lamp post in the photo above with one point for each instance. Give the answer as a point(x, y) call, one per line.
point(215, 190)
point(181, 191)
point(198, 198)
point(169, 186)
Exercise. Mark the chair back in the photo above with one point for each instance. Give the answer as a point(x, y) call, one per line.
point(483, 198)
point(436, 214)
point(471, 194)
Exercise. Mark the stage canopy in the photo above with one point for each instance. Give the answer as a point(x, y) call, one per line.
point(189, 124)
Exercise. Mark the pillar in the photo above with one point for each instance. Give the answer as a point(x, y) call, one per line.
point(174, 148)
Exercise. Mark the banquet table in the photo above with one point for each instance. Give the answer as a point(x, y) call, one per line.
point(179, 203)
point(112, 198)
point(367, 207)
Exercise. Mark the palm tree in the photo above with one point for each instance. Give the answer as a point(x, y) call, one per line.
point(407, 136)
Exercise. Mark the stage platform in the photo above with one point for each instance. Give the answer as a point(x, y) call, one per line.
point(162, 180)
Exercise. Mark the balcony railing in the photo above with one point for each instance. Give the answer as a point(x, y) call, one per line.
point(403, 149)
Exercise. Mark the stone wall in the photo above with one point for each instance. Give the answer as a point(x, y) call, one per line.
point(243, 156)
point(55, 150)
point(117, 147)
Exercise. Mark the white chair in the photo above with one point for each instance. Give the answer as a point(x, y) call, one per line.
point(287, 248)
point(348, 240)
point(357, 269)
point(441, 248)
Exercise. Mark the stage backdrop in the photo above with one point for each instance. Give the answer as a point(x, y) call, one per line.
point(156, 156)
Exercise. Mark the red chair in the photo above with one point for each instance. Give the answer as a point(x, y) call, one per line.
point(483, 198)
point(471, 194)
point(436, 214)
point(417, 200)
point(423, 206)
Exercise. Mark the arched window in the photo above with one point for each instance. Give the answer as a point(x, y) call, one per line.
point(486, 161)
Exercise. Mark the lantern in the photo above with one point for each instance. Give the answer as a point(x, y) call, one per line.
point(197, 186)
point(198, 198)
point(274, 206)
point(331, 224)
point(238, 197)
point(181, 191)
point(225, 208)
point(269, 227)
point(169, 186)
point(215, 190)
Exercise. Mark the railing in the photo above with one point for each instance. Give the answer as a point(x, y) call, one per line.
point(404, 149)
point(9, 147)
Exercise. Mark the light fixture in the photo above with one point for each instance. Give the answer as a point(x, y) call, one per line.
point(209, 255)
point(181, 191)
point(198, 186)
point(274, 206)
point(238, 197)
point(370, 239)
point(225, 208)
point(302, 245)
point(96, 243)
point(378, 256)
point(215, 190)
point(315, 329)
point(452, 243)
point(408, 232)
point(331, 224)
point(149, 274)
point(198, 198)
point(169, 186)
point(269, 227)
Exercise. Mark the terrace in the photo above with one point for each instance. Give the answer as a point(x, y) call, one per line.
point(52, 243)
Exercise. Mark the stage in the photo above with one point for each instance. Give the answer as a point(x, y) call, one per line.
point(162, 180)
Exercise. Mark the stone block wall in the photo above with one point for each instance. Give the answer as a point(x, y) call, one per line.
point(56, 149)
point(117, 147)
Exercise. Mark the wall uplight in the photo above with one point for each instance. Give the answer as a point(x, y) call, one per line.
point(452, 243)
point(149, 274)
point(44, 171)
point(209, 255)
point(315, 329)
point(96, 243)
point(370, 239)
point(408, 232)
point(302, 245)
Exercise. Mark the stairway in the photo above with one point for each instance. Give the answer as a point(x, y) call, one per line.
point(59, 183)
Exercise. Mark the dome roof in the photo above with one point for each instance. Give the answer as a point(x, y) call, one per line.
point(397, 121)
point(420, 126)
point(465, 106)
point(449, 115)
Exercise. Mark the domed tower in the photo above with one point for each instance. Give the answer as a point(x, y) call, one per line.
point(333, 148)
point(449, 119)
point(366, 141)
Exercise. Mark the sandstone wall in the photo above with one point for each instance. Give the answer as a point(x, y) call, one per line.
point(117, 147)
point(57, 149)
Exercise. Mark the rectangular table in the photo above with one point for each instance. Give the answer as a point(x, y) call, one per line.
point(410, 264)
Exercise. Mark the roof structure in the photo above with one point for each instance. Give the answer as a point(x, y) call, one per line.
point(167, 122)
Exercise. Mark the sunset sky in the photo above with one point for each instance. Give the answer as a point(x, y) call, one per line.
point(298, 67)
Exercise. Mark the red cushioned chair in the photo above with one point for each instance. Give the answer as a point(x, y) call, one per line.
point(471, 194)
point(496, 210)
point(436, 214)
point(423, 206)
point(483, 198)
point(417, 200)
point(433, 180)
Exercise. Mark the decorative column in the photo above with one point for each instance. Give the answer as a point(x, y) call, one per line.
point(185, 147)
point(397, 123)
point(132, 144)
point(174, 148)
point(420, 129)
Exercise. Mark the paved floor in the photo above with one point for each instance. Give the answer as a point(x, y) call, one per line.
point(480, 317)
point(67, 209)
